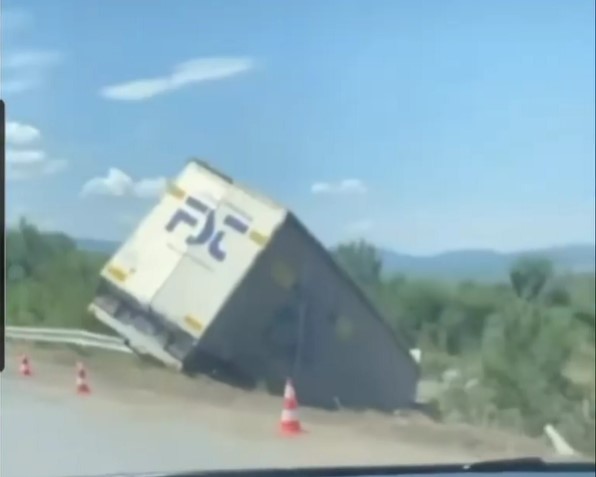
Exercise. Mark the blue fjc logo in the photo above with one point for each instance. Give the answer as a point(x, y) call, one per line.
point(209, 235)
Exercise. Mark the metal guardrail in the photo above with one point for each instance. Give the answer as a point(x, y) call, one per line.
point(67, 336)
point(86, 338)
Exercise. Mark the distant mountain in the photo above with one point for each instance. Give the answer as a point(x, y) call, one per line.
point(481, 265)
point(486, 265)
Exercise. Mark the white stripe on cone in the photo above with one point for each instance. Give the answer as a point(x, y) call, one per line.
point(25, 367)
point(289, 415)
point(290, 422)
point(81, 380)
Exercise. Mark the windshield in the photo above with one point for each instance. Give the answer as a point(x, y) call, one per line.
point(258, 234)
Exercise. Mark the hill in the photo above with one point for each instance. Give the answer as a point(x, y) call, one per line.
point(483, 265)
point(486, 265)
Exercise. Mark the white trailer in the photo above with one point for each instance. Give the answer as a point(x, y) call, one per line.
point(220, 278)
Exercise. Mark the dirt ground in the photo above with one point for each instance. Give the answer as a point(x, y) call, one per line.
point(347, 437)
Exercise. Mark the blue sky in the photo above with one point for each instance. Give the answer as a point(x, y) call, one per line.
point(422, 126)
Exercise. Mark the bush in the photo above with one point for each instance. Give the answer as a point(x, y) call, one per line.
point(515, 347)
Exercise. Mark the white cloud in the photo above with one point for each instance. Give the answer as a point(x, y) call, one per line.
point(344, 186)
point(148, 188)
point(119, 184)
point(24, 164)
point(183, 74)
point(27, 69)
point(19, 133)
point(54, 166)
point(31, 59)
point(18, 85)
point(25, 156)
point(23, 69)
point(115, 183)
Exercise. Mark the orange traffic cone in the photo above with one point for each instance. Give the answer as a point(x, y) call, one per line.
point(290, 422)
point(82, 386)
point(25, 366)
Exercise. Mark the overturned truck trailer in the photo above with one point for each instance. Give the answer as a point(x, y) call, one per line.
point(218, 278)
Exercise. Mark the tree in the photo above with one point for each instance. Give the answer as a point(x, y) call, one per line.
point(525, 350)
point(361, 261)
point(529, 276)
point(50, 282)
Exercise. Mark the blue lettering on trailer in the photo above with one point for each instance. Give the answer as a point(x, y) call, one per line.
point(209, 234)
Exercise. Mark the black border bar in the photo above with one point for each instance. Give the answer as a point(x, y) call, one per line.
point(3, 245)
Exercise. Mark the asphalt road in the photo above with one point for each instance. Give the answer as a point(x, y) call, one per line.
point(143, 419)
point(49, 433)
